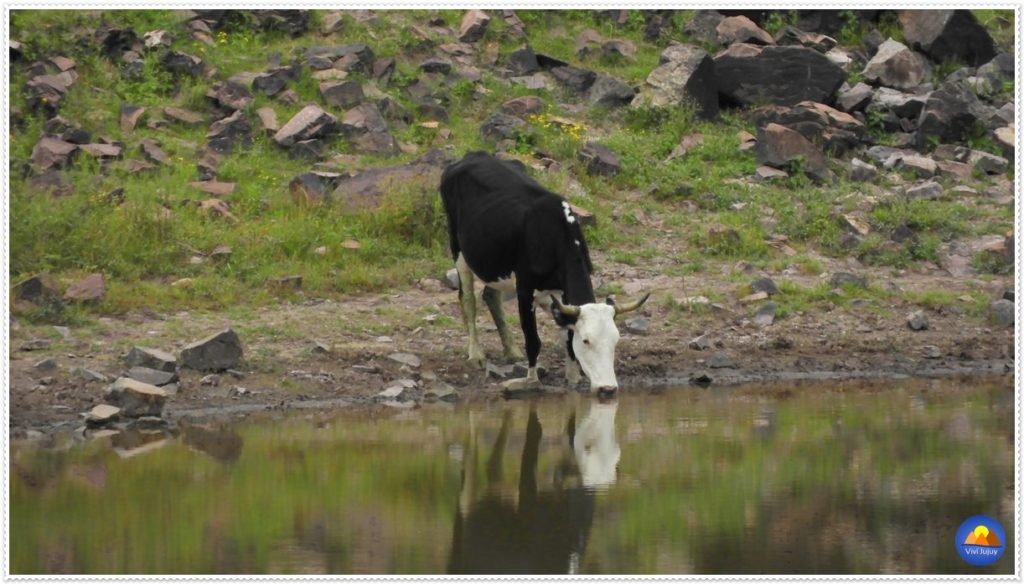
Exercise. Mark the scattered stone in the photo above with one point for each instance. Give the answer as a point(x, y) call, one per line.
point(231, 95)
point(396, 393)
point(275, 80)
point(755, 297)
point(1002, 312)
point(473, 27)
point(87, 375)
point(342, 94)
point(740, 29)
point(101, 415)
point(896, 66)
point(52, 153)
point(917, 321)
point(765, 315)
point(321, 348)
point(720, 360)
point(136, 398)
point(686, 72)
point(130, 116)
point(638, 326)
point(948, 35)
point(152, 376)
point(575, 79)
point(268, 120)
point(152, 152)
point(861, 171)
point(701, 343)
point(47, 364)
point(286, 284)
point(843, 279)
point(700, 379)
point(179, 63)
point(407, 359)
point(988, 163)
point(211, 380)
point(779, 147)
point(151, 358)
point(217, 352)
point(88, 289)
point(451, 279)
point(767, 173)
point(949, 114)
point(217, 189)
point(926, 190)
point(157, 38)
point(523, 106)
point(102, 151)
point(931, 352)
point(766, 285)
point(37, 288)
point(312, 122)
point(754, 75)
point(609, 91)
point(501, 126)
point(856, 98)
point(599, 159)
point(441, 391)
point(313, 188)
point(225, 134)
point(920, 166)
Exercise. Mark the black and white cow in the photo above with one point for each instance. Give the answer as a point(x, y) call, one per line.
point(513, 234)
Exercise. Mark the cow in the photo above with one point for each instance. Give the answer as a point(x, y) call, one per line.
point(515, 235)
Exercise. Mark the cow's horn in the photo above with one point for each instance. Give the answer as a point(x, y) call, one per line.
point(566, 309)
point(631, 306)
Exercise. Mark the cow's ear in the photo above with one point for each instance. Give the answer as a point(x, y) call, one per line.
point(562, 319)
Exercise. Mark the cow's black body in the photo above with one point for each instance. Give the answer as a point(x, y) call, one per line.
point(503, 222)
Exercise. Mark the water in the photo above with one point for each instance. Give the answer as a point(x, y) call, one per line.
point(829, 478)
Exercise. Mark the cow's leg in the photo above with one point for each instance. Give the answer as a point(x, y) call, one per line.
point(467, 299)
point(529, 322)
point(573, 374)
point(492, 298)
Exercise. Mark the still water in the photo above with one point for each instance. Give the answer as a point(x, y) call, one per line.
point(847, 478)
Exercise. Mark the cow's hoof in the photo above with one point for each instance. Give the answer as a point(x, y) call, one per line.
point(477, 357)
point(520, 384)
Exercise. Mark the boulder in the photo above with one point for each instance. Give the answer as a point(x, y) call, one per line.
point(225, 134)
point(52, 153)
point(753, 75)
point(152, 376)
point(791, 35)
point(268, 120)
point(48, 91)
point(179, 63)
point(856, 98)
point(599, 159)
point(351, 57)
point(230, 95)
point(703, 26)
point(130, 116)
point(1002, 312)
point(474, 25)
point(101, 151)
point(779, 147)
point(217, 352)
point(275, 80)
point(523, 61)
point(152, 359)
point(575, 79)
point(609, 91)
point(101, 415)
point(896, 66)
point(740, 29)
point(501, 126)
point(313, 187)
point(902, 105)
point(917, 321)
point(927, 190)
point(342, 94)
point(920, 166)
point(184, 117)
point(947, 35)
point(136, 398)
point(949, 115)
point(523, 106)
point(152, 151)
point(365, 189)
point(861, 171)
point(292, 22)
point(88, 289)
point(688, 74)
point(157, 38)
point(988, 163)
point(37, 288)
point(311, 122)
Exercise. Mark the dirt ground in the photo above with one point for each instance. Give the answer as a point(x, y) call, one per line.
point(282, 369)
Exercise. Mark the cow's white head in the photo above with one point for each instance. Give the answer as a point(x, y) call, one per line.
point(594, 337)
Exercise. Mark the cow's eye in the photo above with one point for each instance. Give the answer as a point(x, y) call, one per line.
point(586, 341)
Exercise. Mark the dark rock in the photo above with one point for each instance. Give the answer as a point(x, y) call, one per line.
point(766, 285)
point(740, 29)
point(180, 63)
point(927, 190)
point(843, 279)
point(720, 360)
point(292, 22)
point(895, 65)
point(311, 122)
point(393, 111)
point(988, 163)
point(87, 375)
point(946, 35)
point(152, 152)
point(184, 117)
point(638, 326)
point(364, 189)
point(791, 35)
point(309, 149)
point(313, 187)
point(214, 353)
point(856, 98)
point(152, 376)
point(575, 79)
point(342, 94)
point(523, 106)
point(230, 95)
point(225, 134)
point(599, 159)
point(780, 147)
point(765, 315)
point(688, 74)
point(88, 289)
point(700, 379)
point(902, 105)
point(48, 91)
point(136, 398)
point(429, 109)
point(949, 115)
point(609, 91)
point(275, 80)
point(46, 365)
point(52, 153)
point(115, 41)
point(523, 61)
point(362, 119)
point(753, 75)
point(1002, 312)
point(704, 26)
point(152, 359)
point(501, 126)
point(435, 65)
point(917, 321)
point(473, 27)
point(861, 171)
point(101, 151)
point(701, 343)
point(382, 69)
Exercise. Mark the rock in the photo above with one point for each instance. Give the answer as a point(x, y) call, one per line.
point(103, 152)
point(720, 360)
point(920, 166)
point(856, 98)
point(755, 297)
point(949, 114)
point(844, 279)
point(48, 364)
point(152, 376)
point(152, 152)
point(779, 147)
point(753, 75)
point(365, 189)
point(230, 95)
point(767, 173)
point(87, 375)
point(102, 414)
point(599, 159)
point(931, 352)
point(179, 63)
point(311, 122)
point(367, 130)
point(217, 352)
point(342, 94)
point(130, 116)
point(791, 35)
point(436, 65)
point(407, 359)
point(441, 391)
point(523, 61)
point(268, 120)
point(48, 91)
point(765, 315)
point(688, 74)
point(313, 187)
point(157, 38)
point(352, 57)
point(638, 326)
point(1002, 312)
point(88, 289)
point(286, 283)
point(575, 79)
point(473, 27)
point(988, 163)
point(52, 153)
point(609, 91)
point(523, 106)
point(740, 29)
point(701, 343)
point(501, 126)
point(183, 116)
point(895, 65)
point(275, 80)
point(947, 35)
point(861, 171)
point(226, 133)
point(926, 190)
point(902, 105)
point(136, 398)
point(1006, 138)
point(35, 345)
point(766, 285)
point(151, 358)
point(215, 188)
point(37, 288)
point(701, 378)
point(917, 321)
point(704, 26)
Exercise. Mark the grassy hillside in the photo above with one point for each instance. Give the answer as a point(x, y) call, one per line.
point(158, 235)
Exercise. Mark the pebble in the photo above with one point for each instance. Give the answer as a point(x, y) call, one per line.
point(701, 343)
point(917, 321)
point(48, 364)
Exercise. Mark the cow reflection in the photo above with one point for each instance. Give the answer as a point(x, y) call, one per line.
point(539, 531)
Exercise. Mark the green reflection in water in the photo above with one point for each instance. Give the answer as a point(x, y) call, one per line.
point(832, 478)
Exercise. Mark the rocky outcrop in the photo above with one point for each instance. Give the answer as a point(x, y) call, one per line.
point(753, 75)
